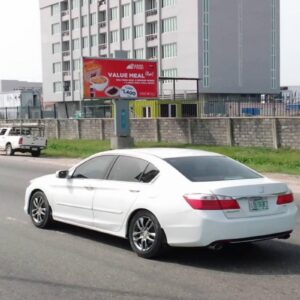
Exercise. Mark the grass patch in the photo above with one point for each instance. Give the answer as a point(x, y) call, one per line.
point(75, 148)
point(261, 159)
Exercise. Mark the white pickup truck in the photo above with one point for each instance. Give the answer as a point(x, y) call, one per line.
point(23, 138)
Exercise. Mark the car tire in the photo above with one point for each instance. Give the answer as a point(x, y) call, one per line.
point(9, 150)
point(40, 210)
point(146, 237)
point(36, 153)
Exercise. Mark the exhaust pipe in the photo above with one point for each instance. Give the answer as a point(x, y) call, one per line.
point(216, 246)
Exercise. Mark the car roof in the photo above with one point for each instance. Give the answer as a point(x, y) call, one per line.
point(162, 153)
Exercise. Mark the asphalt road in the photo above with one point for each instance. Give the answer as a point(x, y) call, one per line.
point(66, 262)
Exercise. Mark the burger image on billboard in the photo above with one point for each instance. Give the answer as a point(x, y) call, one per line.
point(99, 83)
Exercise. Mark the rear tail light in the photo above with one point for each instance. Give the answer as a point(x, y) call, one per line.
point(285, 199)
point(211, 202)
point(20, 141)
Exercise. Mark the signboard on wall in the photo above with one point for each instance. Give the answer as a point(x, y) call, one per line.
point(105, 78)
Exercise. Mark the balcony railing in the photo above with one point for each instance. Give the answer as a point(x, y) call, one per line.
point(151, 12)
point(102, 24)
point(66, 33)
point(151, 37)
point(102, 46)
point(65, 13)
point(66, 53)
point(66, 73)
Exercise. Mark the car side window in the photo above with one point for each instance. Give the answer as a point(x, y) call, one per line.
point(95, 168)
point(149, 174)
point(2, 132)
point(128, 169)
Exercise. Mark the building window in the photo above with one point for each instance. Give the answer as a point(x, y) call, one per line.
point(56, 67)
point(75, 44)
point(169, 50)
point(205, 28)
point(139, 53)
point(55, 9)
point(65, 26)
point(125, 10)
point(168, 3)
point(55, 48)
point(75, 23)
point(126, 34)
point(152, 52)
point(75, 4)
point(102, 38)
point(66, 65)
point(189, 110)
point(114, 36)
point(75, 85)
point(151, 4)
point(102, 16)
point(93, 40)
point(84, 2)
point(138, 31)
point(55, 28)
point(146, 112)
point(151, 28)
point(113, 13)
point(57, 87)
point(93, 19)
point(84, 21)
point(168, 110)
point(76, 64)
point(169, 73)
point(169, 24)
point(138, 7)
point(85, 42)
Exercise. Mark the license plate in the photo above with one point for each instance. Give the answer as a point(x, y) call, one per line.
point(34, 149)
point(258, 204)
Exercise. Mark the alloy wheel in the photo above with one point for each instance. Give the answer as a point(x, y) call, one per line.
point(144, 233)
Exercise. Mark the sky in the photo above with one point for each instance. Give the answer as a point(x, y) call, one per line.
point(20, 46)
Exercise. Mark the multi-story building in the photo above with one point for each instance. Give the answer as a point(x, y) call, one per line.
point(232, 45)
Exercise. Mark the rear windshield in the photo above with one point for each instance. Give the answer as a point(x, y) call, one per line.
point(211, 168)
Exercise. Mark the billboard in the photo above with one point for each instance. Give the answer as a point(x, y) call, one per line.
point(105, 78)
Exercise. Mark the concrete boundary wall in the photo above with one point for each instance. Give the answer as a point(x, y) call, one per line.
point(254, 132)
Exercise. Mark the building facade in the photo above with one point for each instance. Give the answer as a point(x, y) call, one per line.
point(10, 85)
point(232, 45)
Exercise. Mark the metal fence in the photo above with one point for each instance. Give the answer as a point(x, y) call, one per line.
point(158, 109)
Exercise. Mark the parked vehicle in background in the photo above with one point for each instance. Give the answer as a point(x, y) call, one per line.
point(154, 197)
point(23, 138)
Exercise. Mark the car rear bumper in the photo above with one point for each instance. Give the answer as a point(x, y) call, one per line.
point(207, 228)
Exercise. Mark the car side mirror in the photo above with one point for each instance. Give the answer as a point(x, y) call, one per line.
point(62, 174)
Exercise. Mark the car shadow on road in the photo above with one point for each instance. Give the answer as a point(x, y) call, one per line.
point(274, 257)
point(262, 258)
point(96, 236)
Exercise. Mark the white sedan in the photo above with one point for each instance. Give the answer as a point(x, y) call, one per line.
point(157, 197)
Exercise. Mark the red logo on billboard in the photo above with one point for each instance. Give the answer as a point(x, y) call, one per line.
point(119, 78)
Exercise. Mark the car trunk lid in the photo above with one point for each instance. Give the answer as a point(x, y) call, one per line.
point(256, 197)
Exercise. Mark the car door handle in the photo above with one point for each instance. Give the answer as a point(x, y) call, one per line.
point(134, 191)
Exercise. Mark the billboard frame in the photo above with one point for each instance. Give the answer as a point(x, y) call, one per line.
point(82, 92)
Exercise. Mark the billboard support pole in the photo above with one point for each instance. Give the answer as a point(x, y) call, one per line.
point(121, 138)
